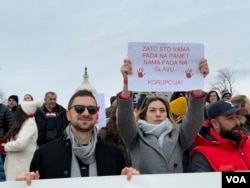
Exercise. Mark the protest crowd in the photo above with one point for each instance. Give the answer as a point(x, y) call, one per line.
point(193, 131)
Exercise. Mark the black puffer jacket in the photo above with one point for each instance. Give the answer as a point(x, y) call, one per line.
point(6, 120)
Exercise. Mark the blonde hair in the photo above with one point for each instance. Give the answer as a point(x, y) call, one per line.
point(239, 101)
point(141, 114)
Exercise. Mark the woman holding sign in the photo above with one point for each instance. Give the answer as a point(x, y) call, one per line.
point(155, 141)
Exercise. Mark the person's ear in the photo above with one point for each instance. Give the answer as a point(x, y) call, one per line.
point(68, 115)
point(215, 124)
point(97, 117)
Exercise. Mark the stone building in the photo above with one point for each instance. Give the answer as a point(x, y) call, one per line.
point(86, 84)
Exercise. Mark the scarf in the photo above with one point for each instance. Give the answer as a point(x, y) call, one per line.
point(85, 153)
point(159, 131)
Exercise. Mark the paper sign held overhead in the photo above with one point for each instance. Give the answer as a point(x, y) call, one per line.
point(165, 67)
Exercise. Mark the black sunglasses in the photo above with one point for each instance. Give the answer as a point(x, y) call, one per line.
point(80, 109)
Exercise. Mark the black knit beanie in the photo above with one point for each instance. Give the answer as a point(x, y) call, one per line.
point(15, 97)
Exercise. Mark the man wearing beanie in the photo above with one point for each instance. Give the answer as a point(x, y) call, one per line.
point(12, 104)
point(226, 95)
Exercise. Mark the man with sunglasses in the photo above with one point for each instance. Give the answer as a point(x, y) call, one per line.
point(79, 152)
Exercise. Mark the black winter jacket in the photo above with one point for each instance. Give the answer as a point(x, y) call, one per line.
point(6, 120)
point(41, 122)
point(53, 160)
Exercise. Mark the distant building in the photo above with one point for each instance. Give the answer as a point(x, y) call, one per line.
point(86, 84)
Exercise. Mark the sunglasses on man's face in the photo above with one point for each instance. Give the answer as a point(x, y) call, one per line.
point(80, 109)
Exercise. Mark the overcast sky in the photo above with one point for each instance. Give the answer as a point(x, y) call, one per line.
point(45, 45)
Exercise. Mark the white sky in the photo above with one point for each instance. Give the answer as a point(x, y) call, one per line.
point(45, 45)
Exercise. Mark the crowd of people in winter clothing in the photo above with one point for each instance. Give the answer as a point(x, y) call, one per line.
point(156, 136)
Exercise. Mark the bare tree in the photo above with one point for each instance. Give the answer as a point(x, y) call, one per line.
point(224, 80)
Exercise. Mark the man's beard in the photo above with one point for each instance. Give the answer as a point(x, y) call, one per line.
point(80, 129)
point(231, 134)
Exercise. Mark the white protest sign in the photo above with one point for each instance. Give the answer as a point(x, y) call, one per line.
point(180, 180)
point(165, 66)
point(101, 121)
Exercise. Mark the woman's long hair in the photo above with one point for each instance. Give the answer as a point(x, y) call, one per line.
point(18, 121)
point(208, 96)
point(112, 130)
point(141, 114)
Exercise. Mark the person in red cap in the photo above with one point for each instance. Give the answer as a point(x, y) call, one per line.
point(221, 146)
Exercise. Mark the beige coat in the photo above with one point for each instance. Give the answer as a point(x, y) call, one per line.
point(19, 152)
